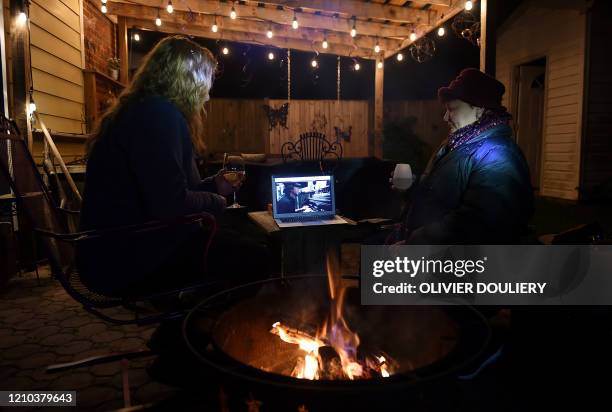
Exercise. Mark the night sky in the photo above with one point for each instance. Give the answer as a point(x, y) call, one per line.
point(248, 73)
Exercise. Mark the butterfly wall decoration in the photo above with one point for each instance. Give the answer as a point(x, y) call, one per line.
point(343, 135)
point(277, 116)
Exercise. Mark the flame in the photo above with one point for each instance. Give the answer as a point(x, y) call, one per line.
point(307, 367)
point(336, 333)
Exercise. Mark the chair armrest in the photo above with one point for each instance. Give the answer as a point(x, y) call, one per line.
point(131, 229)
point(69, 211)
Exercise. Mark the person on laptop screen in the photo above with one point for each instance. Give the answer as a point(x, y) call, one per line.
point(288, 203)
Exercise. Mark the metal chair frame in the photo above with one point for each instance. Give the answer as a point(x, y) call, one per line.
point(51, 224)
point(312, 146)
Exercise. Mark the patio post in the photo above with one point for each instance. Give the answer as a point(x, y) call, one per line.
point(379, 77)
point(122, 49)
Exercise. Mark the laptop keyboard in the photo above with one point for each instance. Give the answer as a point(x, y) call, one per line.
point(301, 219)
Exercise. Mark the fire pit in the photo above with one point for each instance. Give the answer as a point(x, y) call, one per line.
point(277, 337)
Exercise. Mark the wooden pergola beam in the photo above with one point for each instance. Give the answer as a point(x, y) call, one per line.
point(205, 21)
point(435, 24)
point(364, 9)
point(250, 38)
point(284, 17)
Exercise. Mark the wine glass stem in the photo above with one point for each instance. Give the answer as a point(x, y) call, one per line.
point(234, 197)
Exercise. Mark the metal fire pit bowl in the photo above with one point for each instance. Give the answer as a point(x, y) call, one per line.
point(230, 333)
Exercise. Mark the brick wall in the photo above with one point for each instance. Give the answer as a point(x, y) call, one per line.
point(100, 37)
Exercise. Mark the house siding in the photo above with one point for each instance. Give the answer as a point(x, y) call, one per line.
point(559, 36)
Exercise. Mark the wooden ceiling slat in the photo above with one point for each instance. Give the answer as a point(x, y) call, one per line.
point(250, 38)
point(285, 16)
point(361, 9)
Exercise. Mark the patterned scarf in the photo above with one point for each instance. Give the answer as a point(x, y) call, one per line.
point(487, 121)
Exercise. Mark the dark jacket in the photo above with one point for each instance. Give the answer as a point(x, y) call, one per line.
point(479, 193)
point(143, 169)
point(285, 204)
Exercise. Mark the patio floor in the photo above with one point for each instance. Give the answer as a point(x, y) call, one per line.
point(41, 325)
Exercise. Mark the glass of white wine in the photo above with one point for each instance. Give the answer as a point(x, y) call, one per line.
point(402, 176)
point(234, 172)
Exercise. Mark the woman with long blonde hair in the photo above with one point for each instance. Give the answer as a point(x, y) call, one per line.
point(141, 167)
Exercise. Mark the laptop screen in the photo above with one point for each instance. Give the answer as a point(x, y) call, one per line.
point(297, 196)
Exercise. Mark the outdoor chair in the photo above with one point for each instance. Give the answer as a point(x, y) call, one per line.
point(51, 224)
point(313, 147)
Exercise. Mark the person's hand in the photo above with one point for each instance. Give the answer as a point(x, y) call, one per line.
point(224, 188)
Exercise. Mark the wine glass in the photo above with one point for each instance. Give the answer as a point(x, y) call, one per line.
point(234, 172)
point(402, 176)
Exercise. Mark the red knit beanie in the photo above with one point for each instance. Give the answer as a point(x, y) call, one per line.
point(476, 88)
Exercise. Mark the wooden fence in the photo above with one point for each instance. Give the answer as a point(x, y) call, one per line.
point(241, 125)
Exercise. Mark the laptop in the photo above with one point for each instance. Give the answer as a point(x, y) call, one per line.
point(304, 201)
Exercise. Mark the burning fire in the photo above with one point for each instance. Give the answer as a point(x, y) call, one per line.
point(336, 334)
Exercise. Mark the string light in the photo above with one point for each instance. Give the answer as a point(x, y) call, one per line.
point(22, 17)
point(377, 47)
point(469, 5)
point(325, 44)
point(314, 63)
point(295, 23)
point(441, 32)
point(354, 29)
point(270, 56)
point(103, 8)
point(225, 51)
point(104, 1)
point(214, 27)
point(169, 7)
point(379, 64)
point(413, 36)
point(400, 57)
point(269, 33)
point(31, 108)
point(233, 14)
point(136, 37)
point(357, 66)
point(158, 21)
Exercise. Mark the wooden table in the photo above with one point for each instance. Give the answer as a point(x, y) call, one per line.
point(303, 249)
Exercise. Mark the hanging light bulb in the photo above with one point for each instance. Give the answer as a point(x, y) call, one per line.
point(377, 47)
point(469, 5)
point(233, 14)
point(400, 57)
point(325, 44)
point(269, 33)
point(354, 29)
point(22, 17)
point(357, 66)
point(169, 7)
point(136, 37)
point(270, 56)
point(225, 50)
point(413, 36)
point(214, 27)
point(158, 21)
point(104, 1)
point(31, 107)
point(314, 63)
point(441, 32)
point(103, 8)
point(379, 64)
point(295, 23)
